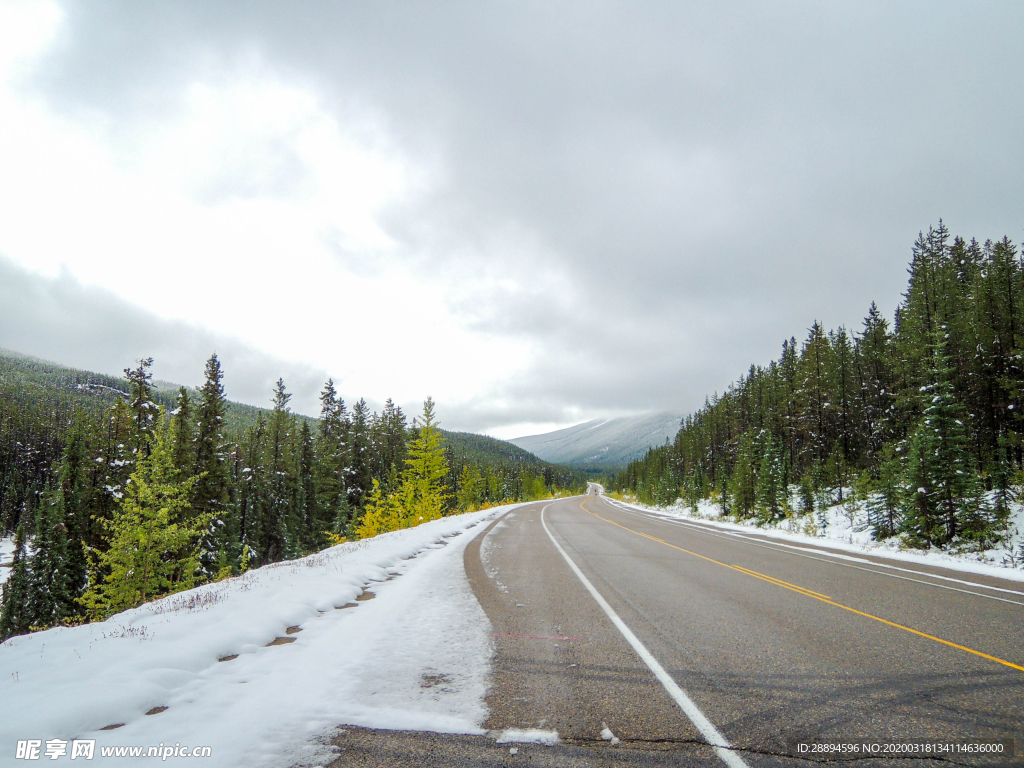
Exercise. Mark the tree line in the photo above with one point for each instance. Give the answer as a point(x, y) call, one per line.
point(152, 494)
point(920, 419)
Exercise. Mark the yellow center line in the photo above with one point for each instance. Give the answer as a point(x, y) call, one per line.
point(811, 594)
point(780, 582)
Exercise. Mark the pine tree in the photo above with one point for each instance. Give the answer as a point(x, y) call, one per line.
point(876, 381)
point(771, 481)
point(154, 539)
point(312, 535)
point(74, 495)
point(360, 477)
point(471, 488)
point(331, 459)
point(15, 616)
point(742, 482)
point(181, 432)
point(52, 589)
point(942, 483)
point(279, 505)
point(143, 410)
point(211, 496)
point(885, 498)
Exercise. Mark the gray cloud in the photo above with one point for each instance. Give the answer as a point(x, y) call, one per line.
point(709, 179)
point(61, 320)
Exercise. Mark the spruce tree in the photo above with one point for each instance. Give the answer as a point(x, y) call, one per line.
point(279, 461)
point(74, 496)
point(360, 476)
point(771, 481)
point(52, 584)
point(471, 488)
point(181, 431)
point(312, 534)
point(331, 459)
point(154, 540)
point(742, 481)
point(15, 616)
point(143, 410)
point(944, 494)
point(211, 496)
point(886, 494)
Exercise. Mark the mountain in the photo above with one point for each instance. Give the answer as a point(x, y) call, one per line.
point(603, 444)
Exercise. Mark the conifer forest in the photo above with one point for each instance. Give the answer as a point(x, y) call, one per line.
point(920, 419)
point(117, 492)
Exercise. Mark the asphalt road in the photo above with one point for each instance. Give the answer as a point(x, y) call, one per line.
point(773, 644)
point(694, 646)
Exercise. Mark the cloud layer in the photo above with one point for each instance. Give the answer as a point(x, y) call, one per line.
point(535, 213)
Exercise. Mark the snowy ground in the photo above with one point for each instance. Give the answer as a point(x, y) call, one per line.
point(6, 553)
point(845, 527)
point(414, 657)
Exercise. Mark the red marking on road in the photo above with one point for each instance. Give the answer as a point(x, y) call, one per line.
point(539, 637)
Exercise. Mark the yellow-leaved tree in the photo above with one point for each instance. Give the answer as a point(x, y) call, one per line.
point(421, 495)
point(154, 536)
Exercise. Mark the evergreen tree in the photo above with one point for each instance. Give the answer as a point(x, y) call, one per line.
point(771, 481)
point(279, 504)
point(360, 468)
point(331, 460)
point(312, 527)
point(15, 616)
point(886, 495)
point(471, 488)
point(73, 497)
point(211, 496)
point(742, 482)
point(143, 410)
point(942, 481)
point(154, 540)
point(181, 431)
point(52, 584)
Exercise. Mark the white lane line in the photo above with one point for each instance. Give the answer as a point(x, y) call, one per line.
point(801, 552)
point(707, 729)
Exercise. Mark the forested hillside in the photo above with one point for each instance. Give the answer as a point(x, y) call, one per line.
point(920, 419)
point(91, 465)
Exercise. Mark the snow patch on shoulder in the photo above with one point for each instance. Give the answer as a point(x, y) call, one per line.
point(530, 736)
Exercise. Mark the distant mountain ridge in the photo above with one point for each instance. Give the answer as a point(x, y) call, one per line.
point(603, 444)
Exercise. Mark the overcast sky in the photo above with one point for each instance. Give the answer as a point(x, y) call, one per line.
point(537, 213)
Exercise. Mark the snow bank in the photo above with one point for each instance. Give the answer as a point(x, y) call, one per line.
point(845, 527)
point(416, 656)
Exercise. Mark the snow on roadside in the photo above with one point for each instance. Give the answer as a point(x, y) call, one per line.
point(844, 527)
point(416, 656)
